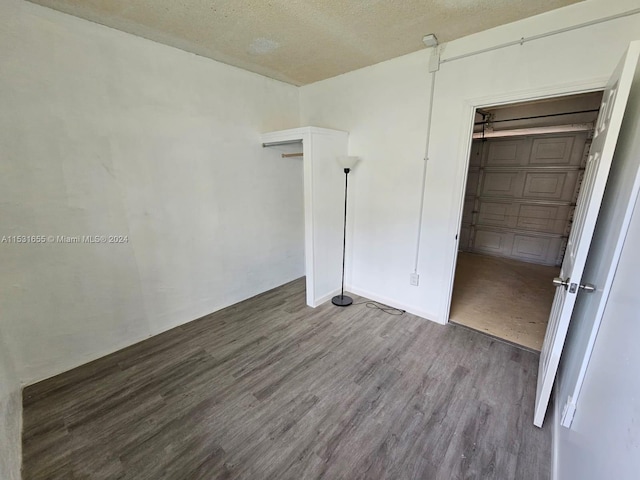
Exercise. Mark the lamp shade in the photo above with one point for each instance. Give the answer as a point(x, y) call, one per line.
point(346, 161)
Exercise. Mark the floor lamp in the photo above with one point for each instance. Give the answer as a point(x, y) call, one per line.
point(347, 163)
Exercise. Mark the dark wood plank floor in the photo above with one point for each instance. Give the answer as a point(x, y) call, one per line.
point(272, 389)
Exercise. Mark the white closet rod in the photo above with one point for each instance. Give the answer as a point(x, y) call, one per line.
point(284, 142)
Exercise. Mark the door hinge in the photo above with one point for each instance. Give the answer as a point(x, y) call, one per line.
point(568, 413)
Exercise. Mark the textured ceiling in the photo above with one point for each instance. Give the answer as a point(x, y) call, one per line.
point(301, 41)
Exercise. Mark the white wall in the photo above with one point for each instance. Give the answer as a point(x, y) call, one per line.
point(105, 133)
point(10, 417)
point(384, 107)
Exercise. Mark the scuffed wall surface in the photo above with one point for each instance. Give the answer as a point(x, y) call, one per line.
point(104, 133)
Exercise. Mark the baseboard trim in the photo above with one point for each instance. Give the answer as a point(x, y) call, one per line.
point(32, 379)
point(393, 303)
point(326, 297)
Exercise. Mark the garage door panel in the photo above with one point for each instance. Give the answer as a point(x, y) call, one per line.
point(554, 151)
point(502, 184)
point(557, 186)
point(512, 152)
point(543, 218)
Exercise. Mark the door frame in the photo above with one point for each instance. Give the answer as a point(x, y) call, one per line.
point(470, 107)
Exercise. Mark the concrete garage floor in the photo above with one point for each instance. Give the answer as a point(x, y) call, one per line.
point(505, 298)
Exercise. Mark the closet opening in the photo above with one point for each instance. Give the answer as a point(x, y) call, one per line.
point(525, 170)
point(287, 158)
point(320, 185)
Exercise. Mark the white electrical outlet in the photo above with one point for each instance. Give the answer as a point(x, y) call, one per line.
point(414, 279)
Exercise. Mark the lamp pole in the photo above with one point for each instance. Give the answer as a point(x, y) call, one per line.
point(342, 300)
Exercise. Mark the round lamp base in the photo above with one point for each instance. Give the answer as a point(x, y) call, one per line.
point(342, 300)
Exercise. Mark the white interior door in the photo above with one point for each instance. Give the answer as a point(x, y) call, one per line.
point(605, 137)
